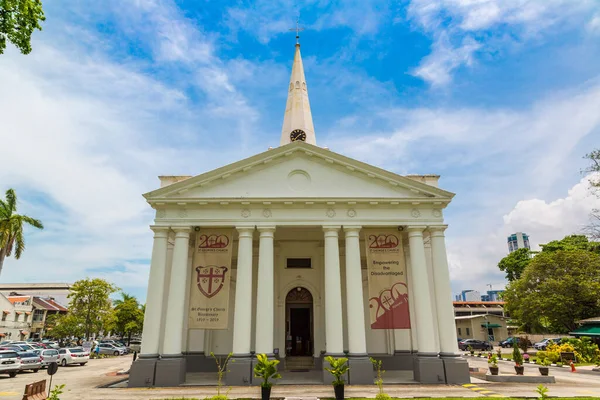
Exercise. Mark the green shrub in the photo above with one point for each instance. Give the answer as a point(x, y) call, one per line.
point(265, 369)
point(517, 356)
point(338, 368)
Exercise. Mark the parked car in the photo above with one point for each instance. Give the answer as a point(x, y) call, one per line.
point(135, 345)
point(48, 356)
point(475, 345)
point(109, 348)
point(51, 344)
point(117, 344)
point(74, 355)
point(543, 344)
point(10, 362)
point(30, 361)
point(509, 342)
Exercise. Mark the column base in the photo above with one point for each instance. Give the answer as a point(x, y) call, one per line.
point(141, 372)
point(170, 371)
point(361, 370)
point(239, 371)
point(456, 369)
point(199, 362)
point(327, 377)
point(429, 368)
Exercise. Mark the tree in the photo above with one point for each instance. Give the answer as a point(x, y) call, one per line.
point(555, 290)
point(593, 228)
point(63, 326)
point(129, 317)
point(514, 264)
point(89, 303)
point(11, 226)
point(18, 20)
point(572, 242)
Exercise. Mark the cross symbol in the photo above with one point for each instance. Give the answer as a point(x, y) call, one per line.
point(298, 30)
point(210, 275)
point(388, 301)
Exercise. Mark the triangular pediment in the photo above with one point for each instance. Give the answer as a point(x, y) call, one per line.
point(298, 170)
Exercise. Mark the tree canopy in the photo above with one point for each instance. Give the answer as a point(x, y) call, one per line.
point(128, 316)
point(593, 227)
point(514, 264)
point(12, 236)
point(18, 20)
point(90, 305)
point(556, 289)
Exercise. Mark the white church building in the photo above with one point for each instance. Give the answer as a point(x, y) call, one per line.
point(298, 252)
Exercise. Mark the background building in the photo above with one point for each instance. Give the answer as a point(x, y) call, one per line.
point(492, 295)
point(517, 241)
point(469, 295)
point(486, 327)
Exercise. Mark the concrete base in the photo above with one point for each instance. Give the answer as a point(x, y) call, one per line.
point(520, 378)
point(239, 371)
point(361, 370)
point(429, 369)
point(199, 362)
point(456, 369)
point(170, 371)
point(141, 373)
point(400, 361)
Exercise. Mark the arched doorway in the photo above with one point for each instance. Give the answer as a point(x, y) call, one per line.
point(299, 336)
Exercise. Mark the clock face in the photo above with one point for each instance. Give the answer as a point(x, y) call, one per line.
point(298, 134)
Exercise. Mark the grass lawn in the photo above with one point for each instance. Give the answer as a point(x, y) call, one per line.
point(424, 398)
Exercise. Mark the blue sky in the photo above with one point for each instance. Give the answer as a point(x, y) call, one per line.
point(500, 97)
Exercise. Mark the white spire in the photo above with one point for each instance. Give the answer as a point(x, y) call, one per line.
point(297, 120)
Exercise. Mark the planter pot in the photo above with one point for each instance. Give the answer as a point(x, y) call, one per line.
point(494, 370)
point(543, 371)
point(519, 369)
point(339, 392)
point(265, 393)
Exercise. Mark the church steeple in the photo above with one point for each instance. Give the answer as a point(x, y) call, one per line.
point(297, 120)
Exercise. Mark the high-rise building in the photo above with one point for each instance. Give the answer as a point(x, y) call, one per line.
point(469, 295)
point(492, 295)
point(517, 241)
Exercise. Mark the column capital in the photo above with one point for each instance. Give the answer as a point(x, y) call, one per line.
point(415, 230)
point(352, 230)
point(160, 231)
point(181, 231)
point(266, 231)
point(331, 228)
point(245, 231)
point(437, 230)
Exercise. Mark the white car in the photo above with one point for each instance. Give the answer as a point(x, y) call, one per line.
point(75, 355)
point(30, 361)
point(10, 362)
point(48, 356)
point(109, 348)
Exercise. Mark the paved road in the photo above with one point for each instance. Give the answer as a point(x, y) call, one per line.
point(567, 384)
point(83, 384)
point(78, 378)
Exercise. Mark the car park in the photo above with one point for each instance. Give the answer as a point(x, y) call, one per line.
point(48, 356)
point(475, 345)
point(543, 344)
point(30, 361)
point(10, 362)
point(75, 355)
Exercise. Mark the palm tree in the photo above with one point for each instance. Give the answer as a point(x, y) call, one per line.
point(11, 227)
point(124, 299)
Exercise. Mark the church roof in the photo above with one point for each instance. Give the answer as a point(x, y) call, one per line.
point(424, 192)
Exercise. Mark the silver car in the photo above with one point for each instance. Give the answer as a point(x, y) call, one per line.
point(10, 362)
point(47, 355)
point(108, 348)
point(30, 361)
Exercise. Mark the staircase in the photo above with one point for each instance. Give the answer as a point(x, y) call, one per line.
point(299, 363)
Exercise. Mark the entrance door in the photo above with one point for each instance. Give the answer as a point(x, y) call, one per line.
point(299, 323)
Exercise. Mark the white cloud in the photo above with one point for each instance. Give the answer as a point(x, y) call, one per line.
point(454, 21)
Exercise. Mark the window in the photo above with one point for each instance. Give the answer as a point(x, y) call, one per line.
point(459, 332)
point(38, 315)
point(4, 316)
point(16, 317)
point(299, 263)
point(468, 332)
point(25, 317)
point(62, 351)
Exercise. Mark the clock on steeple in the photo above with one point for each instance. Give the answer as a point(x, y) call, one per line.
point(298, 134)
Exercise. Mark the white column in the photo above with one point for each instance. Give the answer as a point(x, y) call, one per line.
point(443, 293)
point(334, 333)
point(425, 327)
point(242, 318)
point(357, 342)
point(176, 312)
point(155, 293)
point(265, 312)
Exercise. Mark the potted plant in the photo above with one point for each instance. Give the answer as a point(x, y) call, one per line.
point(470, 348)
point(499, 353)
point(493, 361)
point(543, 366)
point(266, 369)
point(518, 359)
point(338, 368)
